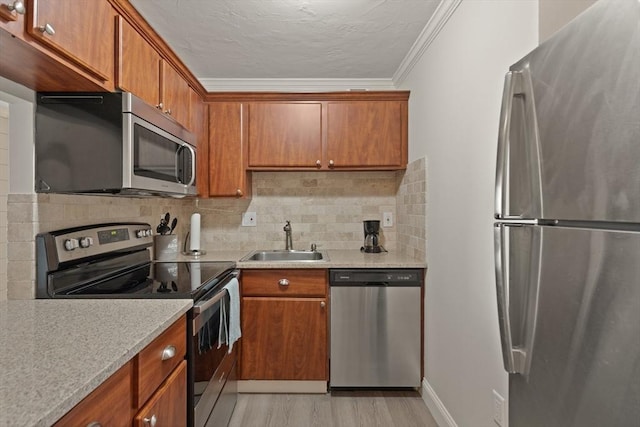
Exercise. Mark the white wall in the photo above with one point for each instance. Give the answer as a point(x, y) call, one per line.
point(554, 14)
point(453, 121)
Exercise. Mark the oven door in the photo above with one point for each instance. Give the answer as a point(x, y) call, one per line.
point(213, 367)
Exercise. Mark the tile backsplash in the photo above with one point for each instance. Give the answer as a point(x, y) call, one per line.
point(326, 208)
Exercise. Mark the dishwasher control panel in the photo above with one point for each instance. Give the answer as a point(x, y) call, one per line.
point(375, 277)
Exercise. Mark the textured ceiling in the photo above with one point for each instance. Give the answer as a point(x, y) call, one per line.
point(289, 39)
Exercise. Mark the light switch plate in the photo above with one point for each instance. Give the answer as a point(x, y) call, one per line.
point(387, 219)
point(249, 219)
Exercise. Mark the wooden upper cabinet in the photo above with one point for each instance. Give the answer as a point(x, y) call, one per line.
point(362, 134)
point(199, 125)
point(138, 65)
point(285, 134)
point(82, 31)
point(227, 151)
point(176, 94)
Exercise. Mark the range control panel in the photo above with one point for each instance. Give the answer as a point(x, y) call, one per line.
point(81, 242)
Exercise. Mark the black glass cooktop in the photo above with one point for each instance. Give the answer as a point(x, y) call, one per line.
point(149, 280)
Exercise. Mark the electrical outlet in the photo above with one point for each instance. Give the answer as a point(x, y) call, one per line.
point(249, 219)
point(498, 408)
point(387, 219)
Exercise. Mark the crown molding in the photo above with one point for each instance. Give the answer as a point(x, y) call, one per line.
point(295, 85)
point(427, 36)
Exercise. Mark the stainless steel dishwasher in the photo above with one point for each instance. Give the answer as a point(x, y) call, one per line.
point(375, 327)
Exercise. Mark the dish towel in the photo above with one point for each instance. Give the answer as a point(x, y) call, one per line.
point(234, 332)
point(223, 328)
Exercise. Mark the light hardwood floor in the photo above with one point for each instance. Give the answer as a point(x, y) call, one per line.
point(339, 409)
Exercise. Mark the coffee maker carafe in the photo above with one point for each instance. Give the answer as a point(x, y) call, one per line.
point(371, 237)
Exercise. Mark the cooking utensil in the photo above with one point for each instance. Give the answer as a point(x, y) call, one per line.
point(173, 225)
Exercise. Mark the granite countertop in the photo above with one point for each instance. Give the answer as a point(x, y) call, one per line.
point(55, 352)
point(337, 259)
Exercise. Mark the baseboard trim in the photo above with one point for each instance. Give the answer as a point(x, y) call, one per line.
point(269, 386)
point(436, 407)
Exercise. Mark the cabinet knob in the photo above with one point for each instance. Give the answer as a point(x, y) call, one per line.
point(18, 6)
point(168, 111)
point(48, 29)
point(283, 282)
point(331, 164)
point(239, 192)
point(318, 163)
point(160, 106)
point(168, 352)
point(94, 424)
point(150, 421)
point(322, 304)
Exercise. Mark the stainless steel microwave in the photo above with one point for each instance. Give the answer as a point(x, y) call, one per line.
point(110, 143)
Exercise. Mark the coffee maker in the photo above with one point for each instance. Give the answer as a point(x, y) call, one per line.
point(371, 237)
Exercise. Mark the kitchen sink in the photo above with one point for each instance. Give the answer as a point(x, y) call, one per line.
point(286, 256)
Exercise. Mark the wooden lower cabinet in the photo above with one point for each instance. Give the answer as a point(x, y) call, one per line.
point(150, 385)
point(284, 327)
point(168, 405)
point(108, 405)
point(284, 339)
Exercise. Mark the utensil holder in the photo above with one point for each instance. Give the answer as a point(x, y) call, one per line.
point(165, 247)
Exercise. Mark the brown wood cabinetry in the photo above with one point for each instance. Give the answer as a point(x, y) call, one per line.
point(228, 176)
point(107, 405)
point(152, 384)
point(366, 134)
point(175, 95)
point(143, 72)
point(80, 31)
point(138, 64)
point(284, 325)
point(168, 406)
point(325, 131)
point(285, 134)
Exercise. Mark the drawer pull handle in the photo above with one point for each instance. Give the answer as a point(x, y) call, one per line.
point(283, 282)
point(150, 421)
point(94, 424)
point(18, 6)
point(168, 352)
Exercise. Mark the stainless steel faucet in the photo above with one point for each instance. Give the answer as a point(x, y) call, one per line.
point(288, 242)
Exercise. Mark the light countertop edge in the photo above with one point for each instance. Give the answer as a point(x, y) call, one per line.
point(59, 351)
point(338, 258)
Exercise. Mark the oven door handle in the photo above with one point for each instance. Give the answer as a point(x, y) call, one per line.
point(204, 306)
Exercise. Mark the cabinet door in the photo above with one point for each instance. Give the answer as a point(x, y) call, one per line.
point(108, 405)
point(138, 65)
point(284, 339)
point(227, 173)
point(168, 406)
point(176, 95)
point(285, 135)
point(82, 31)
point(366, 134)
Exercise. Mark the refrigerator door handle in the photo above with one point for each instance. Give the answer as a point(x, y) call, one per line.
point(513, 357)
point(511, 80)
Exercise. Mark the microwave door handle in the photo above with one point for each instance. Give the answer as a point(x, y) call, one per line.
point(193, 164)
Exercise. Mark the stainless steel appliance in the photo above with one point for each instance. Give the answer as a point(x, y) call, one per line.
point(567, 238)
point(110, 143)
point(113, 261)
point(375, 328)
point(372, 237)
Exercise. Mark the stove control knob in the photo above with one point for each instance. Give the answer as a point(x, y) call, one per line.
point(141, 233)
point(149, 232)
point(70, 244)
point(85, 242)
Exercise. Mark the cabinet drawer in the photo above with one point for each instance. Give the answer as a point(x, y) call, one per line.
point(152, 369)
point(277, 282)
point(108, 405)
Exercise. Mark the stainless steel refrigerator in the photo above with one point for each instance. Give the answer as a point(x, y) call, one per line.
point(567, 236)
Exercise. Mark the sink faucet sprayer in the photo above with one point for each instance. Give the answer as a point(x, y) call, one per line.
point(288, 243)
